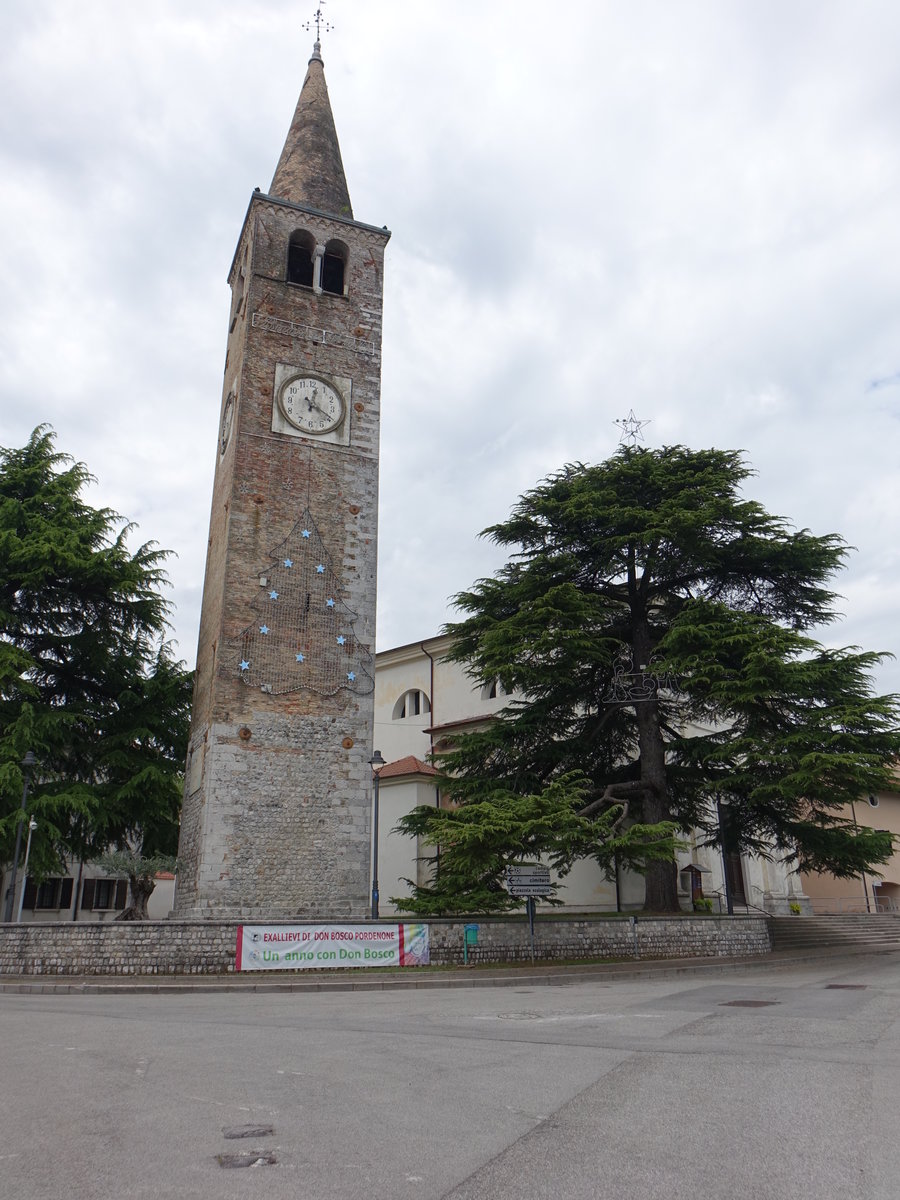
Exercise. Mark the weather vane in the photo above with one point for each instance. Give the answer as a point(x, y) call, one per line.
point(321, 23)
point(631, 428)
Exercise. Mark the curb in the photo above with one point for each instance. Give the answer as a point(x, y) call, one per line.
point(417, 980)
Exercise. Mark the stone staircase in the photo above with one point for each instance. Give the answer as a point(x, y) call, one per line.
point(855, 932)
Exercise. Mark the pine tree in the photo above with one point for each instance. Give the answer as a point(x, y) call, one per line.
point(87, 681)
point(656, 625)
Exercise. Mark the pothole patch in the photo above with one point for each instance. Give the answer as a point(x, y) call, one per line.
point(248, 1131)
point(748, 1003)
point(256, 1158)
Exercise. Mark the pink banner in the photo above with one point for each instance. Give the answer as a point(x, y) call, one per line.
point(299, 947)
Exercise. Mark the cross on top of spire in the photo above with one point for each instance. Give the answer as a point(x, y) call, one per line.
point(320, 23)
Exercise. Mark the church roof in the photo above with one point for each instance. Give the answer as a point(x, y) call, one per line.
point(310, 170)
point(410, 765)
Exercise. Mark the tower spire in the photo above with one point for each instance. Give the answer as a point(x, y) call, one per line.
point(310, 170)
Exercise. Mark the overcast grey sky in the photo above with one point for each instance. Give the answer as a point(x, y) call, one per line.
point(685, 207)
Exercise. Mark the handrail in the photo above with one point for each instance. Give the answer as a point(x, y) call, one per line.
point(745, 904)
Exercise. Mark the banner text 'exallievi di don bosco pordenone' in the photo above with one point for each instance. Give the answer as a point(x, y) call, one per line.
point(291, 947)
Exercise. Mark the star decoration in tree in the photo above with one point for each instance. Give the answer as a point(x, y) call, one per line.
point(631, 428)
point(304, 636)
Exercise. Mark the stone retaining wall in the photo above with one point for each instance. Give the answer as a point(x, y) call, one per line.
point(208, 947)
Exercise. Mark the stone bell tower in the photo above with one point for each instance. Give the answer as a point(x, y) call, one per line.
point(277, 785)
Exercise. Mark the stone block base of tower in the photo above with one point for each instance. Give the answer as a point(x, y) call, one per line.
point(277, 830)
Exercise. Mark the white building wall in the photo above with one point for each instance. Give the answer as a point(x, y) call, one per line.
point(454, 699)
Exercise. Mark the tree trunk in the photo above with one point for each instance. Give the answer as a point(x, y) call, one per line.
point(141, 891)
point(661, 878)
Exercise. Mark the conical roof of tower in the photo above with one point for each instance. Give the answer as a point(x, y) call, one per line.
point(310, 170)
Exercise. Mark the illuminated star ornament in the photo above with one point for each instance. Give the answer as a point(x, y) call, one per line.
point(631, 429)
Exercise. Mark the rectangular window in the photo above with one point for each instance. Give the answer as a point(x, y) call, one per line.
point(48, 894)
point(105, 893)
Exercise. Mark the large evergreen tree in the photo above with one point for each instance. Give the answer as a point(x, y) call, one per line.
point(656, 625)
point(87, 681)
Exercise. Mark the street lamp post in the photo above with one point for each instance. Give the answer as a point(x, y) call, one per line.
point(32, 826)
point(729, 899)
point(376, 762)
point(28, 765)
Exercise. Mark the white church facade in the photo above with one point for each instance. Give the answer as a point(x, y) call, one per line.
point(423, 701)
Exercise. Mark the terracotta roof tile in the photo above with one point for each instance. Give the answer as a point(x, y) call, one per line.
point(410, 765)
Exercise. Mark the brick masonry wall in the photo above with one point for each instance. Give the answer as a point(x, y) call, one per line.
point(278, 788)
point(208, 947)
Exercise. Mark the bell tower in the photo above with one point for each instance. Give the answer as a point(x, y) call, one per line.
point(277, 783)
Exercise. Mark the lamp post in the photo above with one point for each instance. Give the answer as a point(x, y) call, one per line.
point(729, 900)
point(28, 765)
point(32, 826)
point(862, 873)
point(376, 762)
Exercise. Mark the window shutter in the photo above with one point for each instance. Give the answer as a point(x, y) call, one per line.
point(65, 895)
point(87, 895)
point(121, 893)
point(30, 893)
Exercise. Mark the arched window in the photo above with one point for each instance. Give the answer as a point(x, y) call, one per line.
point(301, 257)
point(411, 704)
point(493, 690)
point(334, 267)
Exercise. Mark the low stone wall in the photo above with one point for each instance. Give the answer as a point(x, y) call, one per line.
point(208, 947)
point(508, 940)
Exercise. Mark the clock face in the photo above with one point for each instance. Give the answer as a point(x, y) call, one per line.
point(227, 420)
point(311, 404)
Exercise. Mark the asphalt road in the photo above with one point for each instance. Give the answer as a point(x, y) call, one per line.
point(771, 1083)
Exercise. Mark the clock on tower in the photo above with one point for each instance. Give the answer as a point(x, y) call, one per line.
point(277, 783)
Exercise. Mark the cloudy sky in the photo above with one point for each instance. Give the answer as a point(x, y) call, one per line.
point(690, 208)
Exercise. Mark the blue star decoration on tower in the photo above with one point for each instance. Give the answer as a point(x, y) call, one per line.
point(302, 635)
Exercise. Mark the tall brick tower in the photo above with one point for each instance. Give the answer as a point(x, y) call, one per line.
point(277, 786)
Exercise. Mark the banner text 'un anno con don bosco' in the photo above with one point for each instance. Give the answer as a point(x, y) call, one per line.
point(293, 947)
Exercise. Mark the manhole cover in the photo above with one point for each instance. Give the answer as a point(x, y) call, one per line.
point(846, 987)
point(748, 1003)
point(257, 1158)
point(254, 1131)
